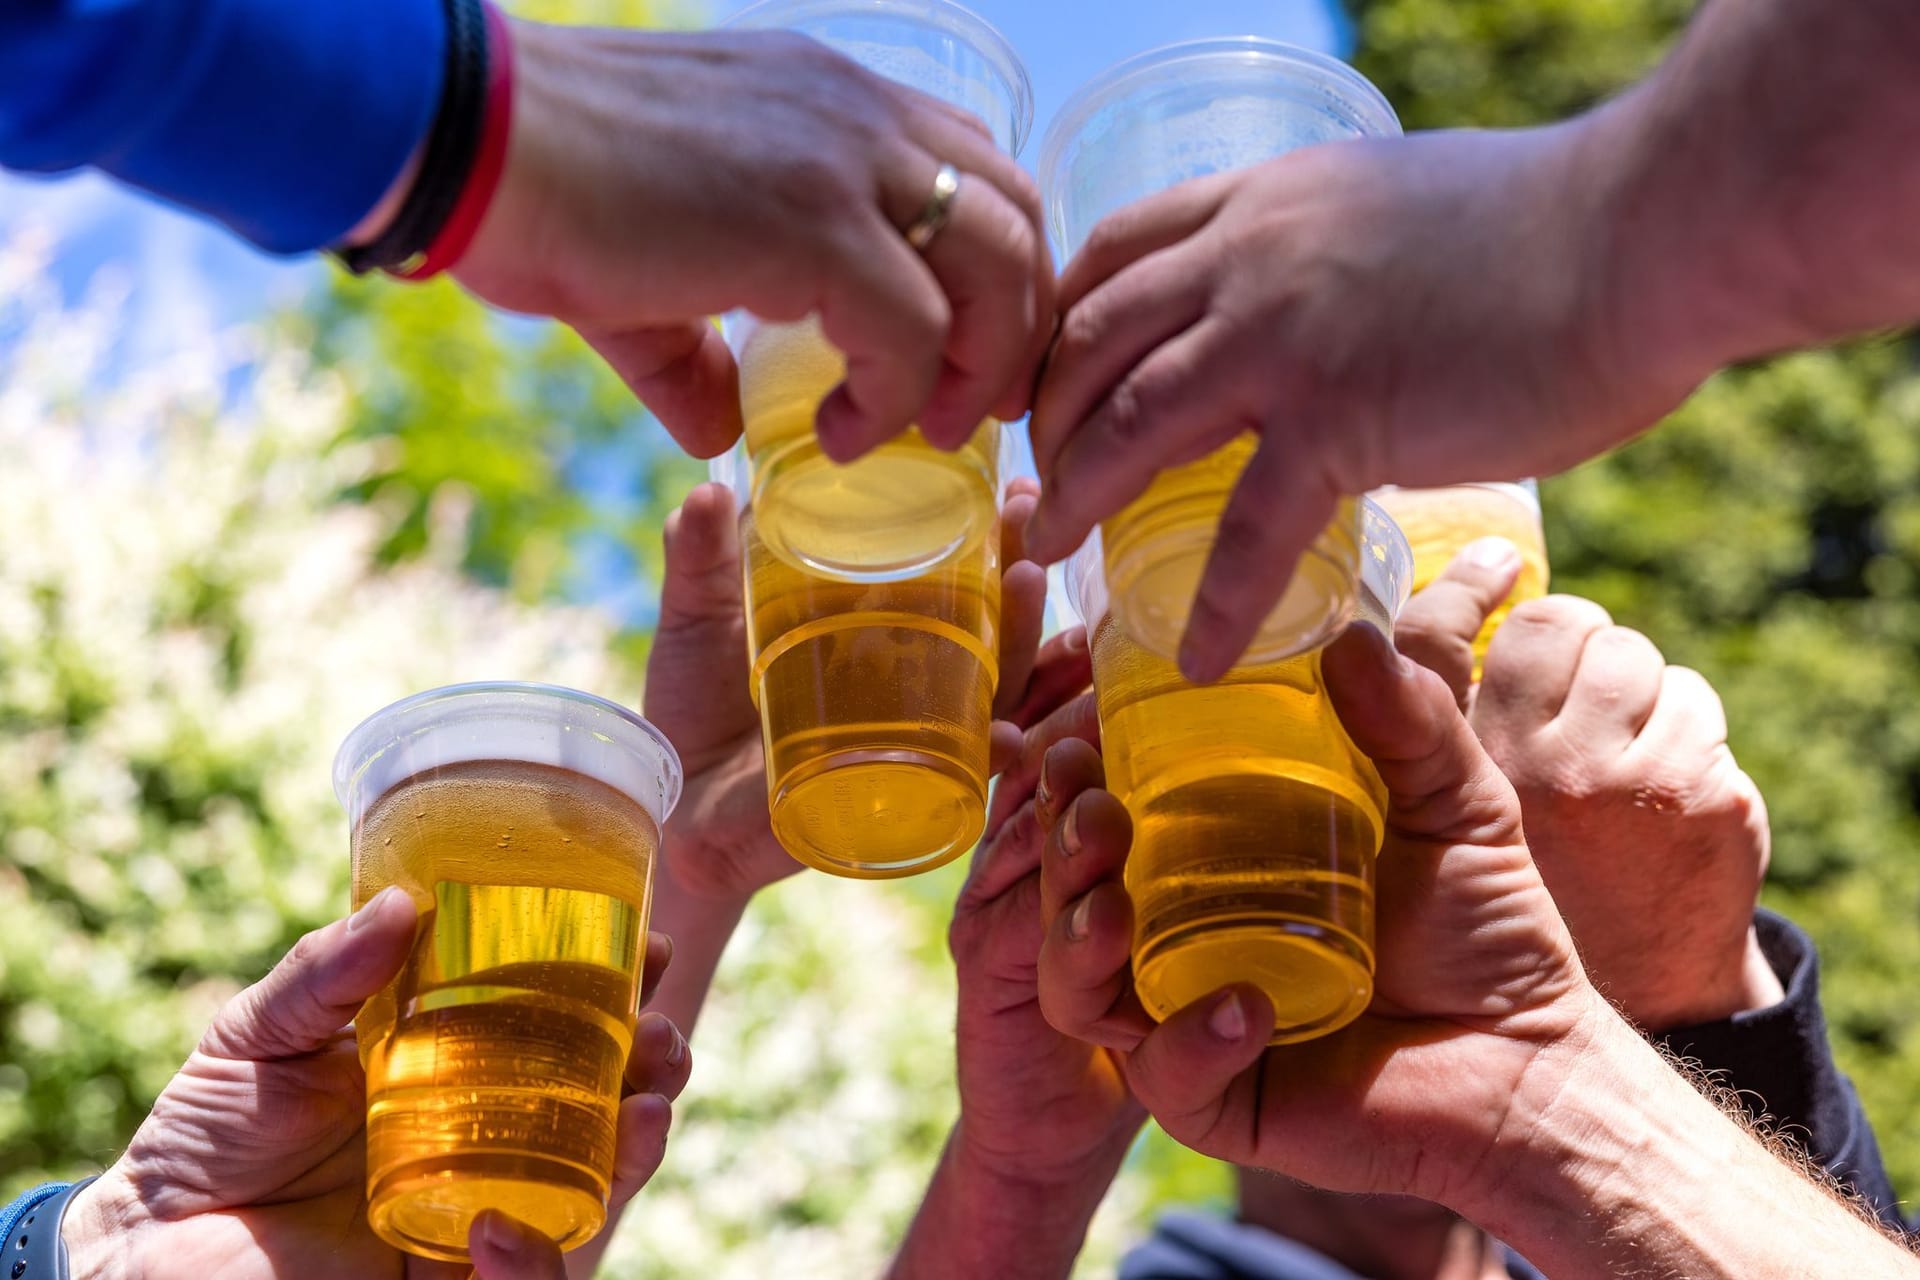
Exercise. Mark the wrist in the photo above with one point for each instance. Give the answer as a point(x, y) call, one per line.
point(1760, 986)
point(979, 1218)
point(381, 216)
point(96, 1230)
point(1657, 325)
point(1542, 1141)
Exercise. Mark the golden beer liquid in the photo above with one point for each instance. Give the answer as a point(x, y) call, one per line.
point(494, 1060)
point(1440, 523)
point(895, 512)
point(1157, 548)
point(1256, 827)
point(875, 700)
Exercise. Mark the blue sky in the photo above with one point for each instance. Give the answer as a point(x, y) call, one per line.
point(1067, 42)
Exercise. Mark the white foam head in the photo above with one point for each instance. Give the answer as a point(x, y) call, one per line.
point(507, 720)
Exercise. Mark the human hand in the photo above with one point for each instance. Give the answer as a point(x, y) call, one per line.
point(1479, 1006)
point(1418, 311)
point(1035, 1106)
point(719, 842)
point(653, 180)
point(1651, 838)
point(253, 1160)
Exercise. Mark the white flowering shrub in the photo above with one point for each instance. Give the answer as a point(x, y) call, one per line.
point(189, 623)
point(188, 626)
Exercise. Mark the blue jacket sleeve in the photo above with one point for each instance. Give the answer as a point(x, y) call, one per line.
point(285, 119)
point(1781, 1062)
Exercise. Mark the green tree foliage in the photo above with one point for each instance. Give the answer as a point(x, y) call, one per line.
point(1768, 535)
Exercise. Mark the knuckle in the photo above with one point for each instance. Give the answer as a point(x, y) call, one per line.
point(1560, 613)
point(1122, 417)
point(1081, 332)
point(1108, 235)
point(814, 183)
point(1630, 645)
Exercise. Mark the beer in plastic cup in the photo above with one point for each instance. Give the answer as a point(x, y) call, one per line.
point(523, 820)
point(1256, 821)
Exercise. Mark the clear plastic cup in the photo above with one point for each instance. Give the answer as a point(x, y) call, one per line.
point(1256, 821)
point(1441, 522)
point(906, 506)
point(1153, 122)
point(875, 703)
point(523, 819)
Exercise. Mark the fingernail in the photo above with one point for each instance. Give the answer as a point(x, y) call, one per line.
point(1070, 830)
point(1074, 640)
point(677, 1052)
point(1229, 1019)
point(1078, 924)
point(1194, 663)
point(364, 916)
point(1491, 553)
point(504, 1235)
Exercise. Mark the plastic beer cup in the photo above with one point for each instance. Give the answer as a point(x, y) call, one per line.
point(1147, 124)
point(523, 820)
point(1256, 821)
point(906, 506)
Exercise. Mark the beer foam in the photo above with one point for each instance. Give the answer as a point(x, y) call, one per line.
point(529, 723)
point(783, 363)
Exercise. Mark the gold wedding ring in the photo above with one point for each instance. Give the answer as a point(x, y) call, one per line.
point(939, 208)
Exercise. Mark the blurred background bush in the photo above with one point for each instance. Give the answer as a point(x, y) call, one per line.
point(216, 562)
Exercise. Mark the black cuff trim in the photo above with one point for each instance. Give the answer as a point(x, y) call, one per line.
point(452, 147)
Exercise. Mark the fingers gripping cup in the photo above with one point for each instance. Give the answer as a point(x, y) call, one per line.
point(1256, 821)
point(1150, 123)
point(875, 702)
point(523, 820)
point(906, 506)
point(1440, 523)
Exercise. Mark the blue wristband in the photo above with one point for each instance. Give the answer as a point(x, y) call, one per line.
point(30, 1243)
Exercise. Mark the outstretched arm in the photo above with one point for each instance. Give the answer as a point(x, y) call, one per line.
point(1766, 189)
point(1614, 1165)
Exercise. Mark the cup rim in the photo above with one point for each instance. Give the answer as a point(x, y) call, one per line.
point(1126, 75)
point(426, 710)
point(955, 19)
point(1085, 572)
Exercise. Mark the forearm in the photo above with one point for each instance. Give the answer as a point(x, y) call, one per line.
point(700, 928)
point(1766, 183)
point(1612, 1164)
point(976, 1222)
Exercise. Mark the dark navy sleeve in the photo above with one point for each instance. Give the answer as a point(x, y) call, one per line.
point(1779, 1060)
point(285, 119)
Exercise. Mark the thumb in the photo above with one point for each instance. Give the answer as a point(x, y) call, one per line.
point(1191, 1071)
point(1438, 627)
point(503, 1249)
point(1441, 784)
point(685, 374)
point(305, 999)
